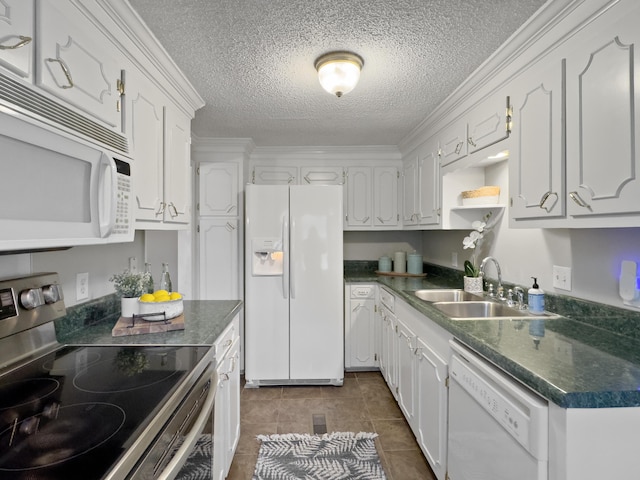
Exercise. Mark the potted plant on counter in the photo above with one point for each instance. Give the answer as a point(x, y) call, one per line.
point(472, 278)
point(129, 286)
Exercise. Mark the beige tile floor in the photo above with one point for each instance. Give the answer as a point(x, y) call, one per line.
point(363, 403)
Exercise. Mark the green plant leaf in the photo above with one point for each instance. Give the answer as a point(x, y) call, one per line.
point(470, 270)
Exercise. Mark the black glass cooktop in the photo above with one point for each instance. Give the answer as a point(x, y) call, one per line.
point(73, 413)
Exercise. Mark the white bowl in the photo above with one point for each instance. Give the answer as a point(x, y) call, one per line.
point(153, 311)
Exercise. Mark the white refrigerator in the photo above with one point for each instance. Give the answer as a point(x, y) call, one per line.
point(293, 285)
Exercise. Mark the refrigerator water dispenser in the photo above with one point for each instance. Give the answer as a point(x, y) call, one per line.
point(267, 258)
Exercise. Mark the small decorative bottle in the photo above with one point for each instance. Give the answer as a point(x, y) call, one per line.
point(147, 269)
point(165, 280)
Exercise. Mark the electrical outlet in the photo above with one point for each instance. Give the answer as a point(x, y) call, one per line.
point(133, 264)
point(562, 278)
point(454, 259)
point(82, 286)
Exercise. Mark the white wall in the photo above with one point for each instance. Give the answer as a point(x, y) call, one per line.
point(373, 245)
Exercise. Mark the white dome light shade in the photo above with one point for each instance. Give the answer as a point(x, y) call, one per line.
point(339, 72)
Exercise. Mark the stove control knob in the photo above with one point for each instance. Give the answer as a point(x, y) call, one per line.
point(52, 293)
point(32, 298)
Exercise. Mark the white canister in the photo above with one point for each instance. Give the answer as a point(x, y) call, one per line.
point(400, 262)
point(384, 264)
point(414, 263)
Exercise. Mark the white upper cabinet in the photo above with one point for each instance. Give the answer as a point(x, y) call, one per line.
point(218, 189)
point(177, 167)
point(322, 175)
point(602, 117)
point(574, 160)
point(76, 63)
point(453, 143)
point(274, 175)
point(372, 198)
point(17, 37)
point(536, 168)
point(421, 182)
point(488, 123)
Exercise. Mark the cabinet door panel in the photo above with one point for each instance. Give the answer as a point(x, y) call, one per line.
point(410, 192)
point(218, 247)
point(17, 37)
point(453, 143)
point(147, 143)
point(488, 123)
point(602, 121)
point(361, 336)
point(432, 407)
point(321, 175)
point(536, 168)
point(75, 63)
point(218, 189)
point(359, 197)
point(406, 371)
point(270, 175)
point(385, 191)
point(177, 167)
point(429, 192)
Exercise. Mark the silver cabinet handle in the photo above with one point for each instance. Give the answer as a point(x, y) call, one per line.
point(173, 211)
point(160, 210)
point(459, 146)
point(471, 142)
point(380, 220)
point(23, 41)
point(230, 227)
point(306, 179)
point(65, 69)
point(544, 199)
point(576, 198)
point(366, 219)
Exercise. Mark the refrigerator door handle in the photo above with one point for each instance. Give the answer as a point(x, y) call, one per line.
point(292, 278)
point(285, 258)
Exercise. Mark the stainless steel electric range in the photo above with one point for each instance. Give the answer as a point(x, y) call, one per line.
point(92, 412)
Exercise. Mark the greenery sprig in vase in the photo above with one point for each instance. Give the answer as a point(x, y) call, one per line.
point(130, 284)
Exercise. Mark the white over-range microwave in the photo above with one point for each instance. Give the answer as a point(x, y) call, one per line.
point(59, 188)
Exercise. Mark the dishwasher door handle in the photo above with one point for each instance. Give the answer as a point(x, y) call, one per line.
point(178, 460)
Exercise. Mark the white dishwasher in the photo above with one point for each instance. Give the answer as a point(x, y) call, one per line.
point(498, 429)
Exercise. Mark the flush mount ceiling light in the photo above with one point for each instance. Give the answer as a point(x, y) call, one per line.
point(339, 72)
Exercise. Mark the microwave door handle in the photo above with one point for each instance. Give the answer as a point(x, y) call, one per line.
point(107, 195)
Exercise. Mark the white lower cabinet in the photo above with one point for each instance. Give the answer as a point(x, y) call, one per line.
point(422, 347)
point(406, 371)
point(226, 420)
point(360, 351)
point(431, 410)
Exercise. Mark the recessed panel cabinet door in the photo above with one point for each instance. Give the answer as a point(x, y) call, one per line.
point(536, 163)
point(218, 189)
point(218, 246)
point(603, 117)
point(428, 188)
point(177, 167)
point(359, 197)
point(76, 63)
point(385, 192)
point(16, 37)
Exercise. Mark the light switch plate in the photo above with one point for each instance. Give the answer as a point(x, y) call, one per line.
point(562, 278)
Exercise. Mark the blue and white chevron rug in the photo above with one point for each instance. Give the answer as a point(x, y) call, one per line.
point(332, 456)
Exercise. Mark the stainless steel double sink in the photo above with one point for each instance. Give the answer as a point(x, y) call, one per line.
point(460, 305)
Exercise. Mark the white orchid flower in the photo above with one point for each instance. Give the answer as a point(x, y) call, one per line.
point(478, 225)
point(470, 241)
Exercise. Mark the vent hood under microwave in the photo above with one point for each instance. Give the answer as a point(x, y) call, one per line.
point(66, 180)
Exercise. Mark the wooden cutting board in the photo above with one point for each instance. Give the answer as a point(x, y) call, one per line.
point(125, 326)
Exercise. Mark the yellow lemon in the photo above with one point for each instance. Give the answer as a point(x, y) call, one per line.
point(175, 296)
point(157, 293)
point(162, 298)
point(147, 297)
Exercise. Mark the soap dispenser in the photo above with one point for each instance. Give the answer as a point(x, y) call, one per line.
point(536, 298)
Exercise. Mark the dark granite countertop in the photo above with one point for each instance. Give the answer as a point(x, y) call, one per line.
point(587, 358)
point(204, 322)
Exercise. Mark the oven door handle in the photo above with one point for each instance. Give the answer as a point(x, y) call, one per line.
point(180, 457)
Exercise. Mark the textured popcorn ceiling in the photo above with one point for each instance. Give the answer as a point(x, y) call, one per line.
point(252, 61)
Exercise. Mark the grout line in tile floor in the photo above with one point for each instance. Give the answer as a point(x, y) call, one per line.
point(363, 404)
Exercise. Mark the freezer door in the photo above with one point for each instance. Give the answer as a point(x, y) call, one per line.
point(266, 296)
point(316, 283)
